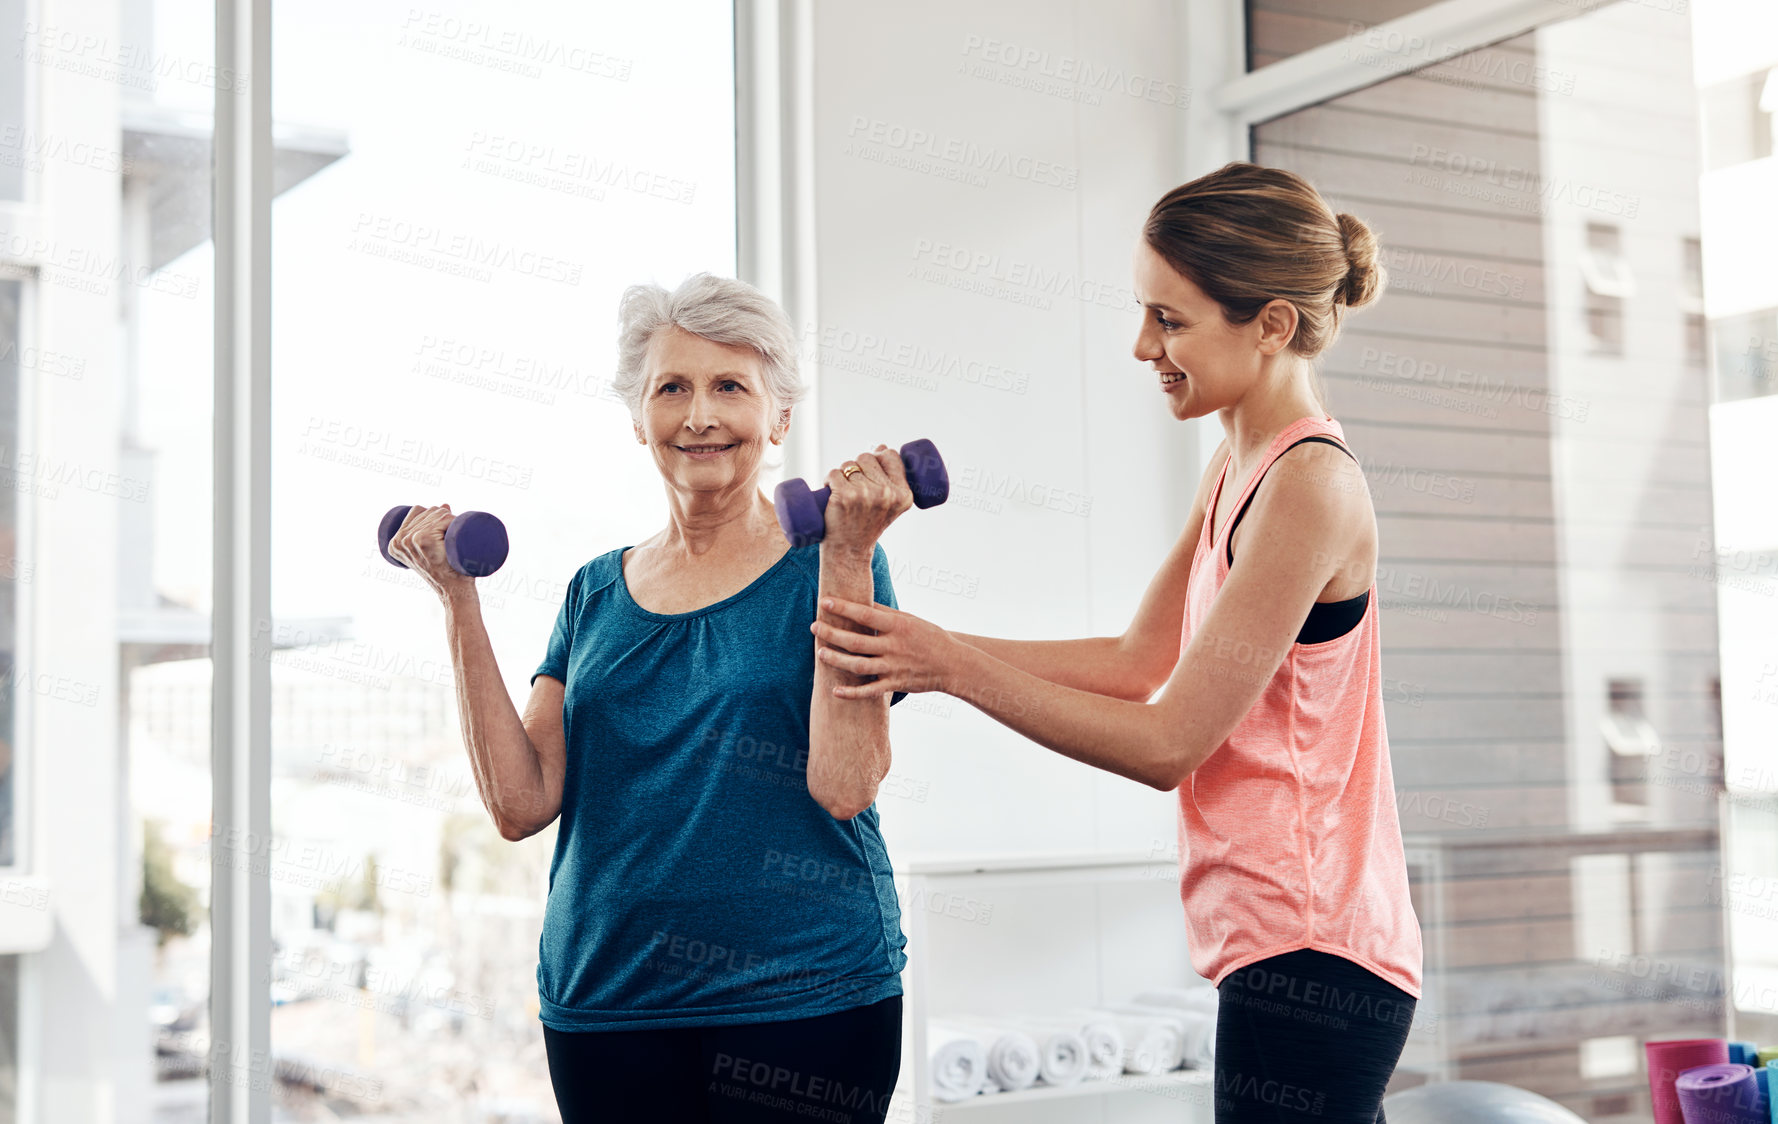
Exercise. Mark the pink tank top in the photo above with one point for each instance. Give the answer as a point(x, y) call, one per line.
point(1288, 832)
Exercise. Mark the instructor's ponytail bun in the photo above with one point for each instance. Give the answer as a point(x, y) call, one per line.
point(1364, 275)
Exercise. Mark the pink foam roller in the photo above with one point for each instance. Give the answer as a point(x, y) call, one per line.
point(1667, 1060)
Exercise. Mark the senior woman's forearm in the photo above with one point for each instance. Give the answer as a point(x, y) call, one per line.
point(848, 738)
point(508, 771)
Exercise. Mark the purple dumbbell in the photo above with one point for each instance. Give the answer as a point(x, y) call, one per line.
point(475, 542)
point(803, 513)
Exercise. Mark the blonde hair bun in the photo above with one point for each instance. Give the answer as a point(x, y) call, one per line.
point(1364, 274)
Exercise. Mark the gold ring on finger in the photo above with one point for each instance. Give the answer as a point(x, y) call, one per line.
point(849, 469)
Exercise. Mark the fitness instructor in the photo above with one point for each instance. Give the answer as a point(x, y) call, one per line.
point(722, 940)
point(1269, 717)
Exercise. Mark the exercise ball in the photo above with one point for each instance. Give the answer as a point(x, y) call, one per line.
point(1474, 1102)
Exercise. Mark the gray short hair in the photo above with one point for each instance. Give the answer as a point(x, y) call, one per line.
point(720, 309)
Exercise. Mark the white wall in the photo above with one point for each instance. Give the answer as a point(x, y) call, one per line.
point(1092, 477)
point(1065, 497)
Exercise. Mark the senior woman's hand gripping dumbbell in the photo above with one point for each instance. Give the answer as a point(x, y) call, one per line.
point(472, 544)
point(803, 512)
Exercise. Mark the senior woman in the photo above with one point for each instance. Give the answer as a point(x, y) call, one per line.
point(722, 940)
point(1269, 718)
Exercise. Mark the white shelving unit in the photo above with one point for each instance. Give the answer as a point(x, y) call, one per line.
point(918, 876)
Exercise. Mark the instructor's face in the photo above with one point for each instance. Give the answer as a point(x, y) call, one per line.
point(1184, 333)
point(706, 416)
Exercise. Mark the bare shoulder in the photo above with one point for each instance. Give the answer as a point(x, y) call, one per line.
point(1317, 464)
point(1317, 493)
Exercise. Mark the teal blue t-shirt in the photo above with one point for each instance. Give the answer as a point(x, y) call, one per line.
point(695, 881)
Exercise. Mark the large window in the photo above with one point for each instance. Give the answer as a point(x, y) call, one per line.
point(159, 72)
point(460, 193)
point(1532, 413)
point(445, 303)
point(104, 227)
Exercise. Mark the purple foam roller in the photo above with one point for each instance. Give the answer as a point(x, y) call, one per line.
point(475, 541)
point(802, 512)
point(1720, 1094)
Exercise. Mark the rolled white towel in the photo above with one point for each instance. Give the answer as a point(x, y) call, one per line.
point(1104, 1042)
point(959, 1062)
point(1061, 1049)
point(1151, 1045)
point(1197, 1031)
point(1105, 1049)
point(1012, 1055)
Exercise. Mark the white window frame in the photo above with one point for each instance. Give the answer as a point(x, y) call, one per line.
point(24, 217)
point(25, 870)
point(241, 697)
point(775, 185)
point(1435, 32)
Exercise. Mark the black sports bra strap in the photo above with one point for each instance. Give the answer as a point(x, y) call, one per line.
point(1233, 523)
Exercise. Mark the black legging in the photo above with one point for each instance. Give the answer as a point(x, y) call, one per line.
point(839, 1068)
point(1307, 1036)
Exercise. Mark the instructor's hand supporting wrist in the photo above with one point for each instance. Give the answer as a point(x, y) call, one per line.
point(898, 652)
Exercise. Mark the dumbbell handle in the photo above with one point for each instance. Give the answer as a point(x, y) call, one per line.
point(475, 542)
point(802, 512)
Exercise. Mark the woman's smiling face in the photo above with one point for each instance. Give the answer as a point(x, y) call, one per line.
point(1184, 333)
point(706, 415)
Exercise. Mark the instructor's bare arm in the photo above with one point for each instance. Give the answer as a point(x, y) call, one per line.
point(1304, 528)
point(1135, 665)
